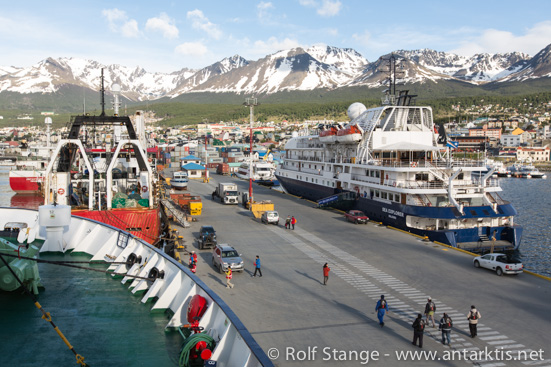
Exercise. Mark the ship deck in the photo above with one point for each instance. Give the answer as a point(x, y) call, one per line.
point(291, 310)
point(105, 323)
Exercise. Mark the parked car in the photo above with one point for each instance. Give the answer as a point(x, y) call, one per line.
point(270, 216)
point(356, 216)
point(207, 237)
point(224, 255)
point(500, 263)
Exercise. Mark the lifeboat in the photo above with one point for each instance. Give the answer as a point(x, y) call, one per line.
point(329, 135)
point(350, 134)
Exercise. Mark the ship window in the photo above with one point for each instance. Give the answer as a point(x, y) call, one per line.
point(397, 198)
point(473, 213)
point(460, 176)
point(485, 212)
point(376, 193)
point(383, 195)
point(377, 174)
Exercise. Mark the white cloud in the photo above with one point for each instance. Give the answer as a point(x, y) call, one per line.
point(497, 41)
point(273, 45)
point(329, 8)
point(199, 21)
point(325, 8)
point(119, 22)
point(262, 9)
point(191, 49)
point(163, 24)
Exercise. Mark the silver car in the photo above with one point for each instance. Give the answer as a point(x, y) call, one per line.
point(270, 216)
point(223, 255)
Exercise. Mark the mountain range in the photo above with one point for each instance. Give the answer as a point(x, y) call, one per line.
point(299, 69)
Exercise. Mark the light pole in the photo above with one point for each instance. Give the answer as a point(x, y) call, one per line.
point(251, 102)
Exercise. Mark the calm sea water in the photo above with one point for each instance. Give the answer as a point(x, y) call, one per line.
point(531, 198)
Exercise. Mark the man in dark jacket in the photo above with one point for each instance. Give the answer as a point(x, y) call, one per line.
point(473, 318)
point(446, 324)
point(418, 330)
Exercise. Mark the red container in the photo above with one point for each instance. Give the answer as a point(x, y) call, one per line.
point(223, 169)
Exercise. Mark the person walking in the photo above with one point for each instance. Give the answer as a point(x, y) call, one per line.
point(446, 325)
point(326, 270)
point(473, 318)
point(293, 222)
point(229, 284)
point(418, 330)
point(288, 222)
point(381, 308)
point(430, 307)
point(257, 266)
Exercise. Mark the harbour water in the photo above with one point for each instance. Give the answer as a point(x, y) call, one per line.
point(531, 198)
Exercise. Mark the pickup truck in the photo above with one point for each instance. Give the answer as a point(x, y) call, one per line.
point(500, 263)
point(356, 216)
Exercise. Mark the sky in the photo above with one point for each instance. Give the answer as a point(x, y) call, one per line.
point(167, 36)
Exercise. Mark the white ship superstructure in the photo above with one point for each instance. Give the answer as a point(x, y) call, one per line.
point(400, 173)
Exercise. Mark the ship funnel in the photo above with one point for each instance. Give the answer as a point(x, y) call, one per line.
point(355, 110)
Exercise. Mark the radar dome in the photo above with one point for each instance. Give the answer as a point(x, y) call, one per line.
point(355, 110)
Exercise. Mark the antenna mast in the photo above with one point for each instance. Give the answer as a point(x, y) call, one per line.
point(102, 90)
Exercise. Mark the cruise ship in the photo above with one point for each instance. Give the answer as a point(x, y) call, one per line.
point(395, 165)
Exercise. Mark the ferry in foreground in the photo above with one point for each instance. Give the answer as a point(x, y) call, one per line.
point(212, 333)
point(390, 163)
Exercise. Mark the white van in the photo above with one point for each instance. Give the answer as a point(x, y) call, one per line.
point(270, 216)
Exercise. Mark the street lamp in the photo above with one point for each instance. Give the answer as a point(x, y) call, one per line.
point(251, 102)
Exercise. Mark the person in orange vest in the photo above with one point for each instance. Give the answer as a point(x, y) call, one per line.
point(293, 221)
point(326, 270)
point(228, 278)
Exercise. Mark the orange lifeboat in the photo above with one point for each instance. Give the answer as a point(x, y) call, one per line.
point(350, 134)
point(329, 135)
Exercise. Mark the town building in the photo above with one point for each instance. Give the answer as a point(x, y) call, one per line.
point(534, 154)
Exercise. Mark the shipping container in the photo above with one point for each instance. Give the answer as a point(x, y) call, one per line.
point(223, 169)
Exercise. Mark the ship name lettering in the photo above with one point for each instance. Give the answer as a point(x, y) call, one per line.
point(393, 212)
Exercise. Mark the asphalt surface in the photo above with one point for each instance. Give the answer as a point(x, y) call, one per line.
point(300, 322)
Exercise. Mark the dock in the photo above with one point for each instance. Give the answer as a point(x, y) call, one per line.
point(300, 322)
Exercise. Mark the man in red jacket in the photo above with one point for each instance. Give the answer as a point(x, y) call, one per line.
point(326, 270)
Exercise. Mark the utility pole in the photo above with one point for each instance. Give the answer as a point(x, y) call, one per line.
point(251, 102)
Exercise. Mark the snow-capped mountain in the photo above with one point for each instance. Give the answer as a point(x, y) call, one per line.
point(201, 76)
point(294, 69)
point(297, 69)
point(478, 68)
point(537, 67)
point(49, 75)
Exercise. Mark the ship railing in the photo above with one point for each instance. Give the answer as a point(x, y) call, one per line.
point(497, 198)
point(467, 163)
point(491, 182)
point(310, 159)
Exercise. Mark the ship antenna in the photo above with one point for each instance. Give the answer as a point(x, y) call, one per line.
point(102, 90)
point(393, 61)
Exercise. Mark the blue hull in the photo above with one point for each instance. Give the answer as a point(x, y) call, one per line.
point(394, 214)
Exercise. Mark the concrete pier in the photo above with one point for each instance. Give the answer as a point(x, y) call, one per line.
point(300, 322)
